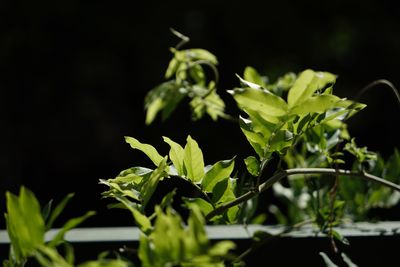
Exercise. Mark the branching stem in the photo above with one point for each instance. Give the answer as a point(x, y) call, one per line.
point(285, 173)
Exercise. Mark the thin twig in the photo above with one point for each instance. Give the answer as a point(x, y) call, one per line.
point(378, 82)
point(184, 38)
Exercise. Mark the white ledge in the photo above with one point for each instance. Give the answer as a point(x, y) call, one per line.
point(132, 234)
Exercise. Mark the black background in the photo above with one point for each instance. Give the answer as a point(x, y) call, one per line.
point(74, 75)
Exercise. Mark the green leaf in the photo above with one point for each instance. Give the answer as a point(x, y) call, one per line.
point(219, 171)
point(149, 150)
point(25, 224)
point(266, 104)
point(340, 237)
point(198, 107)
point(46, 210)
point(106, 263)
point(150, 185)
point(224, 192)
point(260, 125)
point(204, 206)
point(172, 67)
point(193, 160)
point(165, 97)
point(197, 73)
point(249, 84)
point(280, 140)
point(251, 75)
point(200, 54)
point(152, 109)
point(168, 237)
point(168, 199)
point(118, 189)
point(256, 140)
point(252, 165)
point(196, 240)
point(49, 257)
point(176, 154)
point(57, 210)
point(221, 248)
point(215, 106)
point(72, 223)
point(141, 220)
point(316, 104)
point(306, 84)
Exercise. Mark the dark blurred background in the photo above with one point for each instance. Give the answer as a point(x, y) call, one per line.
point(74, 75)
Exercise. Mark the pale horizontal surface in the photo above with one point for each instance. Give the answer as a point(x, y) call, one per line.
point(121, 234)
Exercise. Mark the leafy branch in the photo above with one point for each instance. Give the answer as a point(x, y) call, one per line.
point(296, 119)
point(286, 173)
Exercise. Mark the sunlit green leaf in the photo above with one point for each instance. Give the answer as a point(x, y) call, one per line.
point(176, 154)
point(249, 84)
point(57, 210)
point(106, 263)
point(150, 185)
point(172, 67)
point(200, 54)
point(222, 248)
point(252, 165)
point(256, 140)
point(193, 160)
point(72, 223)
point(316, 104)
point(267, 104)
point(197, 73)
point(149, 150)
point(224, 192)
point(280, 140)
point(219, 171)
point(215, 106)
point(25, 224)
point(165, 97)
point(197, 240)
point(204, 206)
point(306, 84)
point(251, 75)
point(49, 257)
point(141, 220)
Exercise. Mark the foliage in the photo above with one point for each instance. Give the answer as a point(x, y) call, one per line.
point(27, 226)
point(187, 78)
point(296, 121)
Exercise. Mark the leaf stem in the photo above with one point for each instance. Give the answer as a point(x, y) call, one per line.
point(184, 38)
point(286, 173)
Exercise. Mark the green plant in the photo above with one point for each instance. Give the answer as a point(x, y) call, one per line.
point(296, 126)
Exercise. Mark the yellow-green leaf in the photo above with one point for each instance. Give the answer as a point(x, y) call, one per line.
point(176, 154)
point(151, 184)
point(219, 171)
point(265, 103)
point(149, 150)
point(251, 75)
point(306, 84)
point(316, 104)
point(193, 160)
